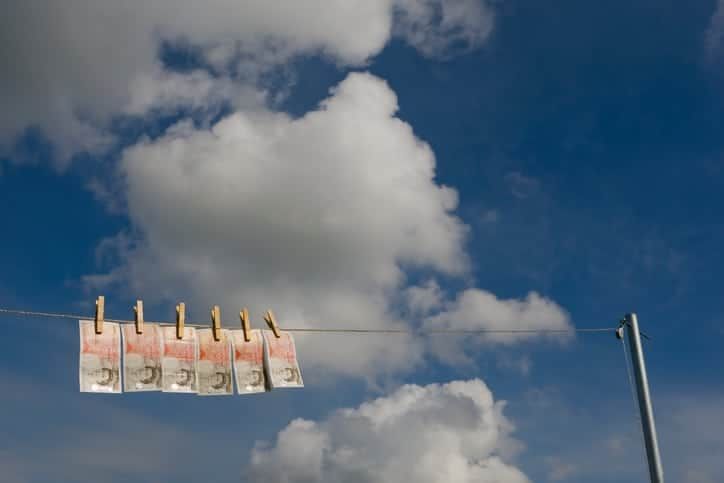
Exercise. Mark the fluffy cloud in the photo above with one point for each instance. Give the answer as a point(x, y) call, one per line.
point(70, 67)
point(318, 217)
point(476, 309)
point(455, 433)
point(313, 216)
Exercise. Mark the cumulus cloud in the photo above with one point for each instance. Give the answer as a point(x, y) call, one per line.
point(455, 433)
point(318, 217)
point(475, 309)
point(69, 68)
point(313, 216)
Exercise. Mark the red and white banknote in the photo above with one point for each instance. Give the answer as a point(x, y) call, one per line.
point(142, 358)
point(280, 356)
point(100, 358)
point(178, 364)
point(249, 362)
point(214, 364)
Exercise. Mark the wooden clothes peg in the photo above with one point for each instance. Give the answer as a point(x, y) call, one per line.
point(272, 323)
point(180, 319)
point(100, 309)
point(246, 327)
point(216, 322)
point(138, 309)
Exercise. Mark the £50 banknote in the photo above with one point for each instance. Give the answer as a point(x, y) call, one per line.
point(214, 364)
point(280, 355)
point(100, 358)
point(178, 364)
point(249, 362)
point(142, 358)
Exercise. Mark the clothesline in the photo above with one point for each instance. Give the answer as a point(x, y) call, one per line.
point(31, 313)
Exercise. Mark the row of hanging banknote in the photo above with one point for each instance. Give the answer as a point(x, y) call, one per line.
point(157, 361)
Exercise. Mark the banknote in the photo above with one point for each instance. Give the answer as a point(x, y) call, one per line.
point(249, 362)
point(214, 364)
point(100, 358)
point(142, 358)
point(178, 365)
point(280, 358)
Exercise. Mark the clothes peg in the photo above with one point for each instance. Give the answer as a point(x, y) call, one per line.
point(272, 323)
point(100, 308)
point(244, 316)
point(180, 319)
point(216, 322)
point(138, 309)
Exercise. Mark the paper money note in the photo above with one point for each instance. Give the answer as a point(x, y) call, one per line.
point(249, 362)
point(214, 364)
point(100, 358)
point(178, 365)
point(280, 357)
point(142, 358)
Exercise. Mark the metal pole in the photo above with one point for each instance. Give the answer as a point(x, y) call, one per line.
point(642, 389)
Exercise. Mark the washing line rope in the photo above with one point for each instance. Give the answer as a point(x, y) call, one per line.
point(56, 315)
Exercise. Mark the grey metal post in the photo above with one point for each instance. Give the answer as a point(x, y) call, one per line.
point(642, 389)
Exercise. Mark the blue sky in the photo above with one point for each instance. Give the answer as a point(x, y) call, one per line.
point(582, 140)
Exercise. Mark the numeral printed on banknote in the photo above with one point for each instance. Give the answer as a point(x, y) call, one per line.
point(100, 358)
point(142, 358)
point(214, 364)
point(281, 360)
point(249, 362)
point(178, 365)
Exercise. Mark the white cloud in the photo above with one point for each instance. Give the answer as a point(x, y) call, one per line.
point(476, 309)
point(316, 217)
point(440, 28)
point(455, 433)
point(69, 67)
